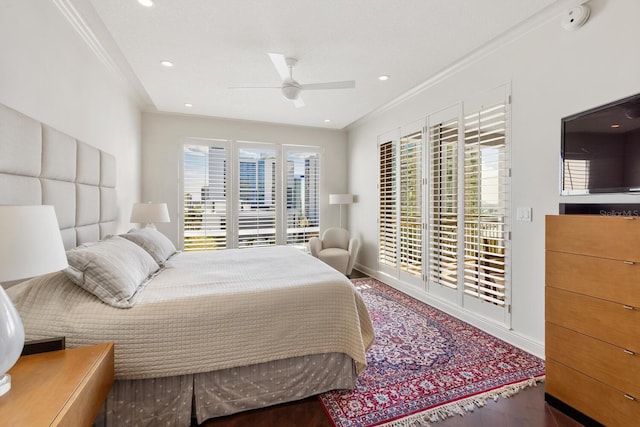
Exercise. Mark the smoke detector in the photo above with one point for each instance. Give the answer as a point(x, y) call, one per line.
point(575, 18)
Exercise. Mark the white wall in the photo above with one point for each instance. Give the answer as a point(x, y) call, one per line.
point(553, 73)
point(164, 134)
point(49, 73)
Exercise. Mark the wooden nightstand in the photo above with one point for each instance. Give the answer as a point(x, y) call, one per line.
point(58, 388)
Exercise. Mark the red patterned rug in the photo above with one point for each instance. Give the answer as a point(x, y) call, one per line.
point(426, 366)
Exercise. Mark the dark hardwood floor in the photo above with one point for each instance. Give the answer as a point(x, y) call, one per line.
point(525, 409)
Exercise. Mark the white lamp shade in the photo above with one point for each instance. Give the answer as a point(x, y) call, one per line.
point(340, 199)
point(30, 242)
point(148, 213)
point(30, 245)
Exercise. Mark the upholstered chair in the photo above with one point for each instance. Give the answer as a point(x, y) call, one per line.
point(336, 248)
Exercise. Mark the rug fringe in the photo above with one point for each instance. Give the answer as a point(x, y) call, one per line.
point(459, 407)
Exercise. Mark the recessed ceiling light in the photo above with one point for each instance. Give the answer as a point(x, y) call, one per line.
point(166, 63)
point(188, 105)
point(615, 125)
point(383, 78)
point(146, 3)
point(327, 120)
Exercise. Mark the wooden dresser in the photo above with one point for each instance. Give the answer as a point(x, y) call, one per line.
point(592, 302)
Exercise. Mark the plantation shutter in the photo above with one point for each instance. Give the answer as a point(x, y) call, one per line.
point(486, 195)
point(204, 196)
point(303, 196)
point(387, 205)
point(443, 202)
point(257, 196)
point(411, 203)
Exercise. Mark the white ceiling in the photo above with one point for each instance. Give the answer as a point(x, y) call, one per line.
point(218, 44)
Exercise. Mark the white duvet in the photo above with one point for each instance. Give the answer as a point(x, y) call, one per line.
point(207, 311)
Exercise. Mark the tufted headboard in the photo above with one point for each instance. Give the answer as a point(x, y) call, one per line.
point(40, 165)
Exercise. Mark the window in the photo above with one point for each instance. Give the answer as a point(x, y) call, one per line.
point(411, 203)
point(485, 203)
point(443, 202)
point(240, 194)
point(257, 196)
point(459, 236)
point(303, 196)
point(400, 187)
point(205, 196)
point(388, 204)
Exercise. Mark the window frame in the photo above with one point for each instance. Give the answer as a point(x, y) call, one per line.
point(232, 185)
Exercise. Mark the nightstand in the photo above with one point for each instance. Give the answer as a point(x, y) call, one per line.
point(59, 388)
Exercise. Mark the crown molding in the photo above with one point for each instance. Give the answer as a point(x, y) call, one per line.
point(552, 11)
point(118, 67)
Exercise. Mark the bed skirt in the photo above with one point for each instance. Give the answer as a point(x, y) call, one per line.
point(179, 400)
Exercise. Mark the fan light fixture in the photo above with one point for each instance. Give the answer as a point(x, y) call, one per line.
point(290, 88)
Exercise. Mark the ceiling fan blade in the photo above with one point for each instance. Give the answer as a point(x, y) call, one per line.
point(280, 63)
point(298, 102)
point(349, 84)
point(254, 87)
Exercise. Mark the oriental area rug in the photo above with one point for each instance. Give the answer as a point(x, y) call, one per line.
point(426, 365)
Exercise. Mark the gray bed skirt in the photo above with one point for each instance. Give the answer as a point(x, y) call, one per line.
point(175, 401)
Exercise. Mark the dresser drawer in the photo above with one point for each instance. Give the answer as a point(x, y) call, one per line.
point(595, 358)
point(607, 321)
point(593, 398)
point(607, 237)
point(609, 279)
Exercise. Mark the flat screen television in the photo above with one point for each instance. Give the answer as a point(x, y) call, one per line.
point(601, 149)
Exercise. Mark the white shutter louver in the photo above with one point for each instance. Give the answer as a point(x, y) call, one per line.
point(443, 203)
point(411, 204)
point(257, 195)
point(303, 197)
point(204, 192)
point(486, 201)
point(388, 204)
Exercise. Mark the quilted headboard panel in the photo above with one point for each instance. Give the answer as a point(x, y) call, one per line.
point(41, 165)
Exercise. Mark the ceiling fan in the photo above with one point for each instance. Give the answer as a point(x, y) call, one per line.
point(290, 88)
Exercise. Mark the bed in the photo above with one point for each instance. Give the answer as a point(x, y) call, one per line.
point(197, 335)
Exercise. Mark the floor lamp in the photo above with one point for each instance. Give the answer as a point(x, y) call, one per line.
point(340, 199)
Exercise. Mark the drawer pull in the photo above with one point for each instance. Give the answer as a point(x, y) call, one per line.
point(629, 352)
point(628, 307)
point(629, 262)
point(628, 396)
point(629, 217)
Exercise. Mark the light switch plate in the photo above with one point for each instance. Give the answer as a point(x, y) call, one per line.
point(523, 214)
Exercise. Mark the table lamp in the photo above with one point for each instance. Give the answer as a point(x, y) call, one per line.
point(149, 213)
point(30, 245)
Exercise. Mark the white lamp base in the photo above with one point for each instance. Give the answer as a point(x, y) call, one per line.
point(5, 384)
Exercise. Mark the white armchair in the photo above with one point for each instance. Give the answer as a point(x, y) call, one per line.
point(336, 248)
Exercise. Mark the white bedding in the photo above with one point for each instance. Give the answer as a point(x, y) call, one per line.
point(207, 311)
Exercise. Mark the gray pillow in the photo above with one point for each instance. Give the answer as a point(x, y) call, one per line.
point(113, 269)
point(154, 242)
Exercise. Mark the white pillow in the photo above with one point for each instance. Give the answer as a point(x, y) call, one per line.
point(113, 269)
point(154, 242)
